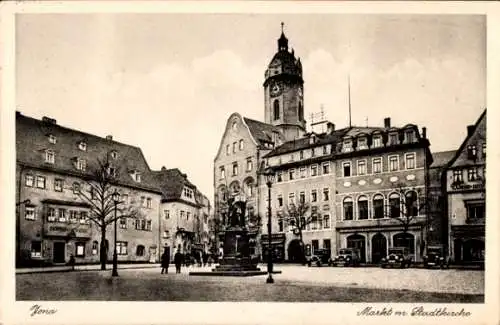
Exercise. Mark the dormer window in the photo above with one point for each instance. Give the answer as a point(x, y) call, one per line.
point(312, 139)
point(362, 143)
point(82, 145)
point(472, 151)
point(377, 141)
point(188, 193)
point(81, 164)
point(114, 154)
point(347, 145)
point(50, 156)
point(112, 171)
point(393, 139)
point(137, 177)
point(52, 139)
point(409, 136)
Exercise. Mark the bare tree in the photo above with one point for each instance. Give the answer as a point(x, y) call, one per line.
point(98, 194)
point(298, 217)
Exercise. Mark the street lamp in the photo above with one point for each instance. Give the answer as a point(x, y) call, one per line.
point(269, 174)
point(116, 197)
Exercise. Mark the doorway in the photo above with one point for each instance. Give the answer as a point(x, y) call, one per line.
point(379, 248)
point(358, 241)
point(152, 254)
point(59, 252)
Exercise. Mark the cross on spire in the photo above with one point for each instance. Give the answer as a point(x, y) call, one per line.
point(282, 24)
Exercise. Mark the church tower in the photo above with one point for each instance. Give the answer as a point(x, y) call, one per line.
point(284, 91)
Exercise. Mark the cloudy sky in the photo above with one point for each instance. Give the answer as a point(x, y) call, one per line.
point(168, 82)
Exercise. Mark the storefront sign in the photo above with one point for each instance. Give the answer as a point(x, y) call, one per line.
point(462, 186)
point(67, 230)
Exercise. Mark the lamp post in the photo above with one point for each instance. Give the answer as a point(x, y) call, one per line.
point(116, 198)
point(269, 182)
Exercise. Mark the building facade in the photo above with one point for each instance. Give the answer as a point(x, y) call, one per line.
point(54, 169)
point(465, 185)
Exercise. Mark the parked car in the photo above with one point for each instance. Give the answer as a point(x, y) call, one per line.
point(398, 256)
point(319, 257)
point(436, 257)
point(347, 257)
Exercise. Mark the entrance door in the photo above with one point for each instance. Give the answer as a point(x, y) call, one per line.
point(379, 248)
point(59, 252)
point(358, 241)
point(152, 255)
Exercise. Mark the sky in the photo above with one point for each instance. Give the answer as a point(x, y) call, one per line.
point(167, 83)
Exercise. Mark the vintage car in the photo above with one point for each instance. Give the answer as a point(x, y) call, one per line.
point(347, 257)
point(436, 257)
point(319, 257)
point(398, 256)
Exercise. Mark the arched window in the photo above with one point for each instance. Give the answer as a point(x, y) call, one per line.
point(140, 250)
point(378, 206)
point(301, 111)
point(222, 193)
point(405, 240)
point(348, 208)
point(394, 205)
point(276, 109)
point(362, 207)
point(411, 204)
point(248, 186)
point(234, 187)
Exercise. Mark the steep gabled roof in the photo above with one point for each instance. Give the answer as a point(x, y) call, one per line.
point(260, 131)
point(172, 182)
point(32, 141)
point(442, 158)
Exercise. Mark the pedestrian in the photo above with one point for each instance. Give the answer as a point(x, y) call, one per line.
point(178, 262)
point(165, 260)
point(72, 262)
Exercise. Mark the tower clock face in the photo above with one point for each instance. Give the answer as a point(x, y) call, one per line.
point(275, 89)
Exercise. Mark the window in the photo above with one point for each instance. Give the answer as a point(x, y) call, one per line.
point(121, 247)
point(51, 214)
point(377, 165)
point(475, 211)
point(58, 185)
point(326, 194)
point(312, 150)
point(361, 167)
point(314, 221)
point(362, 208)
point(228, 149)
point(362, 143)
point(235, 125)
point(188, 214)
point(393, 139)
point(241, 145)
point(291, 174)
point(222, 172)
point(411, 204)
point(167, 214)
point(235, 144)
point(276, 109)
point(112, 171)
point(410, 136)
point(83, 217)
point(484, 150)
point(95, 246)
point(125, 198)
point(62, 215)
point(326, 168)
point(326, 221)
point(81, 164)
point(52, 139)
point(50, 156)
point(472, 174)
point(29, 213)
point(148, 202)
point(148, 225)
point(471, 151)
point(347, 169)
point(393, 163)
point(40, 182)
point(142, 224)
point(235, 169)
point(123, 223)
point(80, 249)
point(280, 225)
point(36, 249)
point(377, 141)
point(325, 150)
point(302, 172)
point(280, 200)
point(139, 250)
point(348, 208)
point(457, 176)
point(301, 154)
point(347, 146)
point(279, 177)
point(82, 146)
point(314, 196)
point(138, 177)
point(291, 198)
point(302, 197)
point(394, 205)
point(378, 206)
point(73, 216)
point(182, 214)
point(410, 160)
point(166, 234)
point(314, 170)
point(114, 154)
point(143, 200)
point(249, 164)
point(29, 180)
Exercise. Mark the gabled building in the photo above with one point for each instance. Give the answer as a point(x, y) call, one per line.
point(465, 185)
point(53, 165)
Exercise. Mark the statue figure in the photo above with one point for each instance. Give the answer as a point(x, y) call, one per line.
point(237, 214)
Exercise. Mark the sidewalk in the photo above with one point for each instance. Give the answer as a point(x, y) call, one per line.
point(89, 267)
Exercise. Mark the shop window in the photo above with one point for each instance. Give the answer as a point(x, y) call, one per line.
point(121, 247)
point(475, 211)
point(80, 249)
point(36, 249)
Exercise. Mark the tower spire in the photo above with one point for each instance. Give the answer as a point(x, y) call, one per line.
point(282, 41)
point(349, 95)
point(282, 24)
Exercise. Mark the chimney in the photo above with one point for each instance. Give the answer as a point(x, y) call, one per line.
point(163, 168)
point(330, 127)
point(109, 137)
point(470, 130)
point(387, 122)
point(424, 132)
point(48, 120)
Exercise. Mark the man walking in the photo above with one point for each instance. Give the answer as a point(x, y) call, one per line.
point(165, 261)
point(178, 262)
